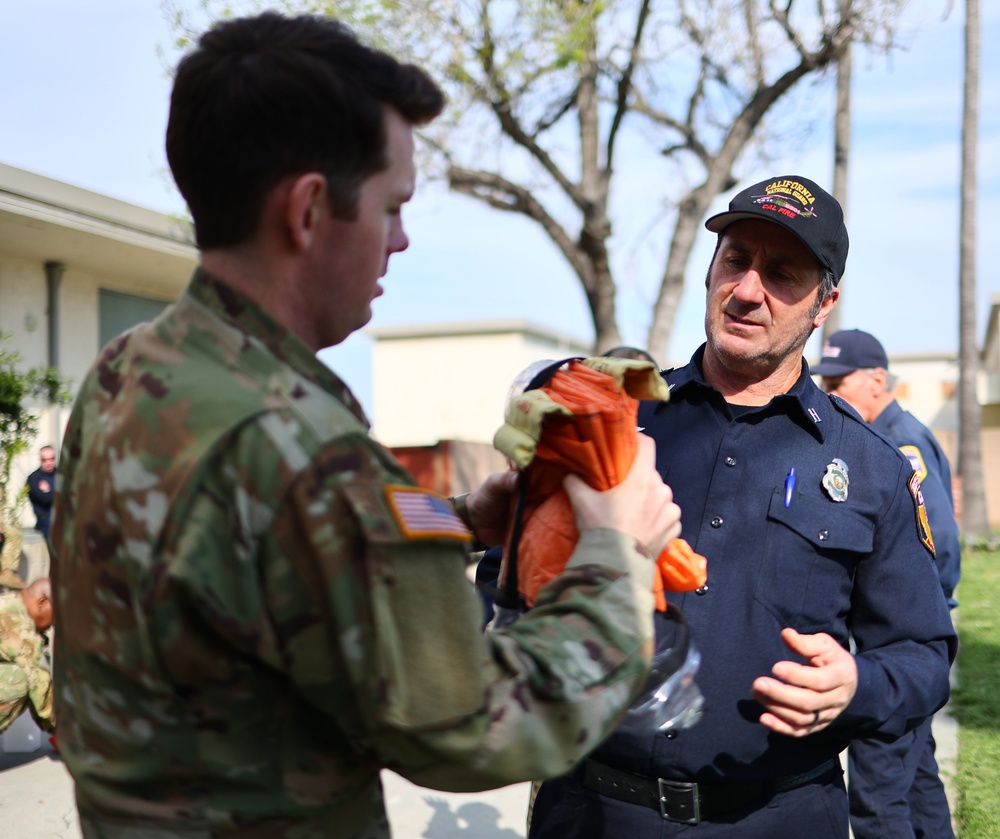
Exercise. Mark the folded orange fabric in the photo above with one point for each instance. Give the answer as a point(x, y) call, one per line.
point(583, 420)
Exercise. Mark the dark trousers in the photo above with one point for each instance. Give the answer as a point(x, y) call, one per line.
point(564, 808)
point(895, 791)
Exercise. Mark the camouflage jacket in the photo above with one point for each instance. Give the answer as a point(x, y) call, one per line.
point(23, 645)
point(254, 618)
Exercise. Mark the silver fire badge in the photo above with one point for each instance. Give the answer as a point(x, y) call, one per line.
point(835, 480)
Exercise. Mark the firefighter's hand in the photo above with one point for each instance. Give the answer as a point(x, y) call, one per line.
point(802, 699)
point(641, 505)
point(489, 507)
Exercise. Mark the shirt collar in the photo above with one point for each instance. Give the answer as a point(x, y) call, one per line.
point(890, 413)
point(234, 308)
point(805, 402)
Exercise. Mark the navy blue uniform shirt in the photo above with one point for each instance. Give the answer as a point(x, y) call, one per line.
point(928, 460)
point(816, 565)
point(41, 499)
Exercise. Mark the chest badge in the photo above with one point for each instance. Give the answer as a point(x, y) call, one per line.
point(835, 480)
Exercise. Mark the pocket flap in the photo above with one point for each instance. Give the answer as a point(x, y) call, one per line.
point(826, 524)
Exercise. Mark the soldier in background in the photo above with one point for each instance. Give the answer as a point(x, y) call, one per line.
point(11, 542)
point(25, 678)
point(258, 607)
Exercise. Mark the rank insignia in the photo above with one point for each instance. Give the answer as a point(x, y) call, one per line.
point(835, 480)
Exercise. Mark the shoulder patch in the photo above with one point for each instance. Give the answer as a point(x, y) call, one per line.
point(916, 460)
point(421, 514)
point(923, 525)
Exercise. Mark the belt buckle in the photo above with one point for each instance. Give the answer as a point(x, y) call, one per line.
point(679, 801)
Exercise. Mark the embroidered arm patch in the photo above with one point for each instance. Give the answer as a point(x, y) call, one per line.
point(923, 526)
point(421, 514)
point(916, 460)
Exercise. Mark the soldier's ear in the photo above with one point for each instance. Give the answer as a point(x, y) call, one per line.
point(306, 202)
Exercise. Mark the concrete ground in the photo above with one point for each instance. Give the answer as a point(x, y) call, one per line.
point(36, 802)
point(36, 799)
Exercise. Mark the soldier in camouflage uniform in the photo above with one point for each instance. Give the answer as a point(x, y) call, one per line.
point(11, 542)
point(25, 679)
point(258, 608)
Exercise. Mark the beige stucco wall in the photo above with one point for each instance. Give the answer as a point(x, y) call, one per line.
point(451, 382)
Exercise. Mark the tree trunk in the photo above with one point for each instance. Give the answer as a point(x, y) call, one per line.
point(596, 227)
point(841, 151)
point(970, 459)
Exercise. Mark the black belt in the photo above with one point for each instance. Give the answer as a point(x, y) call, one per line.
point(689, 803)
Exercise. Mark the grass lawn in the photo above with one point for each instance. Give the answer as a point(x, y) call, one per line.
point(976, 702)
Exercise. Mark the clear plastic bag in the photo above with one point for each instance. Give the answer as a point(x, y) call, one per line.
point(503, 616)
point(670, 698)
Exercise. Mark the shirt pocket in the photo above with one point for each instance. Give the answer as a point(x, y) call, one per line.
point(812, 549)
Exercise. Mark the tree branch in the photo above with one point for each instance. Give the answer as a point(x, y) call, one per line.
point(625, 84)
point(509, 124)
point(555, 115)
point(754, 39)
point(502, 194)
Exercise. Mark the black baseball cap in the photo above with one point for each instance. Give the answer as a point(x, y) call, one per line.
point(799, 205)
point(850, 350)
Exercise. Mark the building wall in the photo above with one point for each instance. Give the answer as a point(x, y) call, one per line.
point(926, 387)
point(24, 316)
point(432, 385)
point(450, 467)
point(102, 243)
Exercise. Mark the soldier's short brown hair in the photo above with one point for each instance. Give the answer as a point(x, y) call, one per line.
point(268, 96)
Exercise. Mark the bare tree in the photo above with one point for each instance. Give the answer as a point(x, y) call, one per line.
point(970, 455)
point(550, 97)
point(841, 148)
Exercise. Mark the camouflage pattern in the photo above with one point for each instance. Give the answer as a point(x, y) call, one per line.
point(25, 679)
point(247, 634)
point(10, 553)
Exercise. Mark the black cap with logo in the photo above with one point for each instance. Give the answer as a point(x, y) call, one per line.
point(799, 205)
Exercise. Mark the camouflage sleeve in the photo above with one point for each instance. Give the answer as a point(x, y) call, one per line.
point(22, 645)
point(314, 575)
point(41, 697)
point(566, 672)
point(379, 628)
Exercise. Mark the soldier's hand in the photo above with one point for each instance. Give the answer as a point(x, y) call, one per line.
point(802, 699)
point(489, 507)
point(641, 505)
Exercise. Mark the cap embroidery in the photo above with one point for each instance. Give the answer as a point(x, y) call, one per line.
point(799, 200)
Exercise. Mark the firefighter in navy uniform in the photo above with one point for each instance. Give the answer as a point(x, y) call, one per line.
point(894, 788)
point(813, 527)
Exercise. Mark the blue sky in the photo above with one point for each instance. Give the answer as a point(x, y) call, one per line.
point(83, 98)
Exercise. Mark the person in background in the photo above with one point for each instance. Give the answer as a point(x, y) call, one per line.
point(25, 677)
point(813, 531)
point(11, 543)
point(634, 353)
point(41, 484)
point(11, 540)
point(258, 608)
point(894, 788)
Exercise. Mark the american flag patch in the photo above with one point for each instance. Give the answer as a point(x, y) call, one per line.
point(423, 515)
